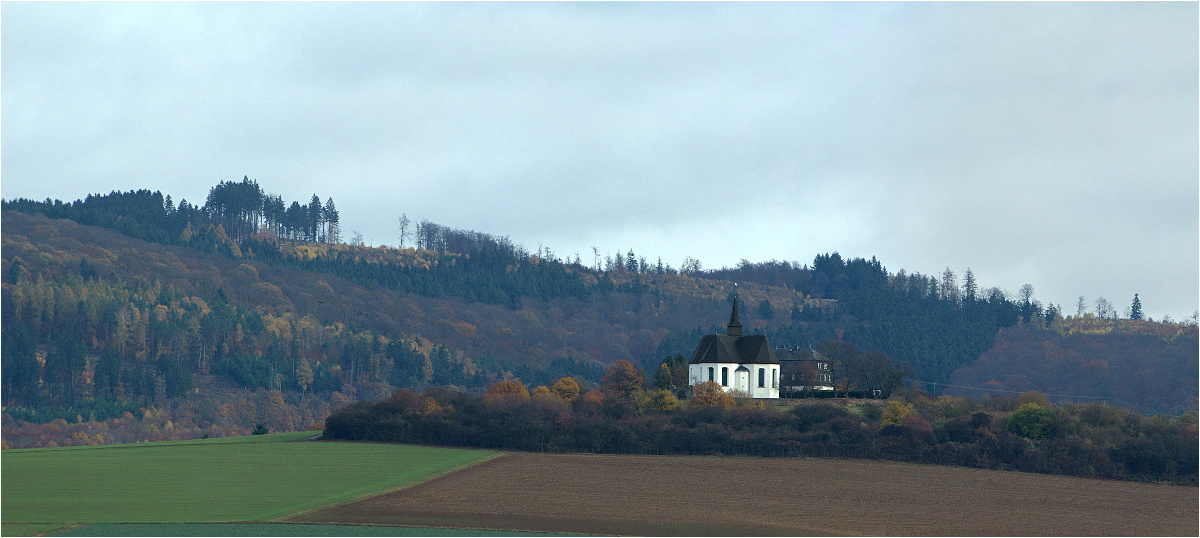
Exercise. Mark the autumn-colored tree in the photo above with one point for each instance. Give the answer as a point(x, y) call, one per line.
point(657, 400)
point(621, 380)
point(304, 375)
point(593, 397)
point(916, 429)
point(511, 387)
point(710, 393)
point(431, 406)
point(1035, 397)
point(566, 388)
point(894, 414)
point(663, 377)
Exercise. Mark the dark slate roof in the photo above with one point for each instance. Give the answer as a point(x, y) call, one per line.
point(752, 349)
point(795, 360)
point(733, 347)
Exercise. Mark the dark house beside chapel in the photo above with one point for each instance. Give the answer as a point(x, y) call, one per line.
point(803, 370)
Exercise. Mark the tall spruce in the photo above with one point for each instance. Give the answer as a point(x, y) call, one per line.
point(1135, 309)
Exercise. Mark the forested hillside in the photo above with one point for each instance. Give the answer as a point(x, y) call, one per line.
point(1146, 366)
point(127, 301)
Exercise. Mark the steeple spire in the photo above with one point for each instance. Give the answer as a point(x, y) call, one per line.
point(735, 327)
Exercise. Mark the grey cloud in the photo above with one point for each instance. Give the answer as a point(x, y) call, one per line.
point(1046, 143)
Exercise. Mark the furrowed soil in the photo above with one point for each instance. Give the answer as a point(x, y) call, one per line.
point(713, 496)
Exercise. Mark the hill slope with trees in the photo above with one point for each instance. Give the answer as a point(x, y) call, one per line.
point(235, 313)
point(1146, 366)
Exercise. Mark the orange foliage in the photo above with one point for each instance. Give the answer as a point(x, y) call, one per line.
point(621, 380)
point(710, 393)
point(511, 387)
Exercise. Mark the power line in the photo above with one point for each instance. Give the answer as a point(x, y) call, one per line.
point(1009, 391)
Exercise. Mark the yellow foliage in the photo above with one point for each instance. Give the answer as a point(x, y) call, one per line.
point(566, 388)
point(201, 305)
point(657, 400)
point(304, 375)
point(895, 413)
point(709, 393)
point(511, 387)
point(1034, 397)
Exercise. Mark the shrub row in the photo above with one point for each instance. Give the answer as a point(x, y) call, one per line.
point(606, 424)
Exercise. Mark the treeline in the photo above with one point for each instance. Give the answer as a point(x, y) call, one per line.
point(1022, 434)
point(241, 413)
point(233, 211)
point(240, 220)
point(491, 273)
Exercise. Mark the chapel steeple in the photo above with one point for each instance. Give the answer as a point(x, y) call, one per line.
point(735, 327)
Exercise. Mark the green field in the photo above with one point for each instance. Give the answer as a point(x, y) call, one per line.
point(237, 479)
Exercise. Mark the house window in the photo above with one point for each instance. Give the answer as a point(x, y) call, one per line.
point(774, 378)
point(710, 373)
point(724, 376)
point(762, 377)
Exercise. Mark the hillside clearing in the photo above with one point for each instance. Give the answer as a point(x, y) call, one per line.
point(668, 495)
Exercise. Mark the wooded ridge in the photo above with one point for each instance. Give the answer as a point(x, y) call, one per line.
point(127, 301)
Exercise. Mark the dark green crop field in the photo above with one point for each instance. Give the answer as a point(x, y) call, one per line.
point(241, 479)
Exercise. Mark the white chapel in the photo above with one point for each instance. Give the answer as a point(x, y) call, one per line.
point(742, 365)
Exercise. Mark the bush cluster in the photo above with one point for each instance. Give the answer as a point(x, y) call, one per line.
point(1092, 440)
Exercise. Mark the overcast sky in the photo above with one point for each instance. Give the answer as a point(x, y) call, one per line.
point(1048, 144)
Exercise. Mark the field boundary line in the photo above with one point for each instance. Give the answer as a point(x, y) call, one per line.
point(60, 529)
point(286, 517)
point(230, 440)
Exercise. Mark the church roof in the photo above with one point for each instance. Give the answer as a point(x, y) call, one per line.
point(733, 347)
point(729, 349)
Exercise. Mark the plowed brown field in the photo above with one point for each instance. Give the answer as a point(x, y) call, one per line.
point(700, 496)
